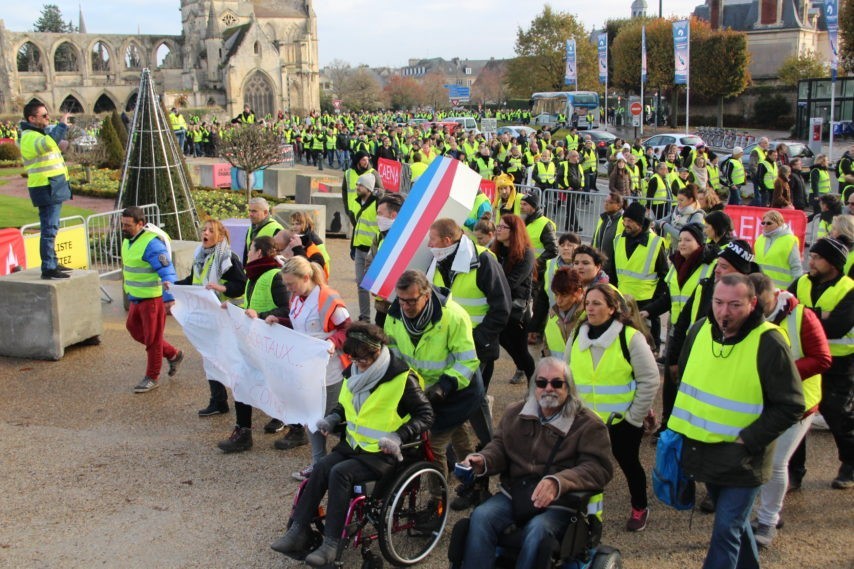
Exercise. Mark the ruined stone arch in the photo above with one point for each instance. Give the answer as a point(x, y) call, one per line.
point(166, 54)
point(101, 57)
point(72, 103)
point(259, 92)
point(131, 102)
point(293, 33)
point(67, 58)
point(30, 58)
point(104, 103)
point(132, 55)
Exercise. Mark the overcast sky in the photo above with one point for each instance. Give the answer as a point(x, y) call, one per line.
point(375, 32)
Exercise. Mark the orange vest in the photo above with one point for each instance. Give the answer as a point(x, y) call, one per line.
point(313, 250)
point(328, 300)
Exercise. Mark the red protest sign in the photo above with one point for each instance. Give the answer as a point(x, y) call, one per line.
point(390, 174)
point(488, 188)
point(13, 256)
point(747, 222)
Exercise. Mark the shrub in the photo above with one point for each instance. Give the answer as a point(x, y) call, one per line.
point(10, 151)
point(114, 154)
point(769, 109)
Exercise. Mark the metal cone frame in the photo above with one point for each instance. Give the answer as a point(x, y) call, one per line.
point(154, 169)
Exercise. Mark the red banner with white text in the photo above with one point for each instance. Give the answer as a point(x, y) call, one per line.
point(747, 222)
point(390, 171)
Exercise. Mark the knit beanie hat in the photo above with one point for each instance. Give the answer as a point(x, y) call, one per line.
point(636, 212)
point(831, 251)
point(696, 231)
point(531, 200)
point(368, 180)
point(739, 254)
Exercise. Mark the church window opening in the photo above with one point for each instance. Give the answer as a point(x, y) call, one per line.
point(133, 57)
point(258, 94)
point(100, 58)
point(165, 57)
point(65, 59)
point(30, 59)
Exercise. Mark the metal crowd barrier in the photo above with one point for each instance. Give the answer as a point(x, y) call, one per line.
point(104, 235)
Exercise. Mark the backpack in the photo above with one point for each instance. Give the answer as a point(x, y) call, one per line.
point(670, 483)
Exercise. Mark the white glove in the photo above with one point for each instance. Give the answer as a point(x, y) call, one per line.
point(328, 424)
point(391, 445)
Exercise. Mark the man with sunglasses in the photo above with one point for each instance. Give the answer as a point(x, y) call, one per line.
point(551, 415)
point(47, 179)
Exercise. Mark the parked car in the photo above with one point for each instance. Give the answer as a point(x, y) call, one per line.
point(515, 131)
point(796, 150)
point(601, 138)
point(659, 141)
point(468, 123)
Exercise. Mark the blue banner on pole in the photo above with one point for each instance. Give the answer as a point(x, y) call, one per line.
point(643, 54)
point(603, 57)
point(571, 75)
point(831, 16)
point(681, 39)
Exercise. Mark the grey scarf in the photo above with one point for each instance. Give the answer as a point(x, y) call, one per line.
point(360, 384)
point(220, 264)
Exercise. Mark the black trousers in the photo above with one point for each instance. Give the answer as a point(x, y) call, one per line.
point(337, 472)
point(625, 445)
point(837, 408)
point(514, 339)
point(541, 308)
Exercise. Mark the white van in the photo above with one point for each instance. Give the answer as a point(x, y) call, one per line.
point(468, 123)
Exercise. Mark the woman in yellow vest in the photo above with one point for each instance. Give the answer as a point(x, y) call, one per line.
point(777, 250)
point(216, 267)
point(617, 378)
point(565, 311)
point(317, 311)
point(265, 295)
point(842, 230)
point(811, 354)
point(719, 230)
point(381, 406)
point(829, 207)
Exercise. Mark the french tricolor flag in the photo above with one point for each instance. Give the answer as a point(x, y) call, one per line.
point(446, 189)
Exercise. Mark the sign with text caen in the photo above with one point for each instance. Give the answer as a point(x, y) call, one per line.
point(270, 367)
point(71, 248)
point(747, 222)
point(390, 173)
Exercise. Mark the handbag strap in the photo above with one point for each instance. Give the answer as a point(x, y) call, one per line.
point(552, 454)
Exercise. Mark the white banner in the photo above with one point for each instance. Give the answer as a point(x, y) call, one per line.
point(270, 367)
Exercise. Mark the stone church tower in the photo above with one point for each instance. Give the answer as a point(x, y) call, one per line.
point(231, 52)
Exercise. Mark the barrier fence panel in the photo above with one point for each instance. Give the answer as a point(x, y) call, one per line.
point(70, 243)
point(104, 235)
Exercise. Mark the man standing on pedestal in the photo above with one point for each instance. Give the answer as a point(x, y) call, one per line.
point(46, 178)
point(146, 265)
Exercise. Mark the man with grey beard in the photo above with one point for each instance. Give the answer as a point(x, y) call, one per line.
point(550, 437)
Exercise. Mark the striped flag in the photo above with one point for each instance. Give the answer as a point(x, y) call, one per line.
point(446, 189)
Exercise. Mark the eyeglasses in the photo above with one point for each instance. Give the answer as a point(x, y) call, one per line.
point(409, 301)
point(363, 359)
point(44, 116)
point(767, 223)
point(542, 382)
point(502, 226)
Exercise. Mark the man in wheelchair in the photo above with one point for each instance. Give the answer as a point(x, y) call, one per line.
point(384, 406)
point(545, 449)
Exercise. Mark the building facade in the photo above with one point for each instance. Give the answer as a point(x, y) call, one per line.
point(261, 53)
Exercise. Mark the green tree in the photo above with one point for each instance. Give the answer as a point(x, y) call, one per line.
point(725, 72)
point(541, 55)
point(51, 20)
point(802, 66)
point(120, 129)
point(846, 34)
point(114, 154)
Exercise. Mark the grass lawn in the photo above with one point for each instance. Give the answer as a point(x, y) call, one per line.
point(15, 212)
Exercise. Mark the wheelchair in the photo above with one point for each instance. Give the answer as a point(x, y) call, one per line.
point(406, 510)
point(580, 548)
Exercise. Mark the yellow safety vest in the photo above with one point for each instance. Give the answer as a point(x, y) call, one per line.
point(679, 296)
point(269, 229)
point(535, 230)
point(608, 387)
point(42, 158)
point(737, 176)
point(770, 175)
point(775, 263)
point(636, 275)
point(141, 280)
point(546, 172)
point(718, 397)
point(465, 292)
point(555, 341)
point(714, 176)
point(792, 327)
point(261, 299)
point(377, 418)
point(366, 225)
point(823, 181)
point(828, 301)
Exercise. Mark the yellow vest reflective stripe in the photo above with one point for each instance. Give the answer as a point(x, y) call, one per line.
point(609, 386)
point(792, 326)
point(770, 175)
point(535, 230)
point(719, 396)
point(555, 341)
point(140, 278)
point(679, 296)
point(41, 158)
point(377, 418)
point(546, 174)
point(465, 292)
point(366, 226)
point(634, 174)
point(849, 263)
point(823, 181)
point(636, 275)
point(736, 176)
point(827, 302)
point(775, 262)
point(261, 299)
point(445, 348)
point(571, 142)
point(714, 177)
point(590, 160)
point(595, 506)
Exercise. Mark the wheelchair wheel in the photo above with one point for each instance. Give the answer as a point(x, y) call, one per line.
point(610, 559)
point(414, 514)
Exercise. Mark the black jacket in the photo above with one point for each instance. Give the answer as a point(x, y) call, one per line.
point(798, 190)
point(661, 303)
point(603, 240)
point(749, 464)
point(519, 278)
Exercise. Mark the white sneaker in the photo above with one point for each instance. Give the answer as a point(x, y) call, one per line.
point(303, 474)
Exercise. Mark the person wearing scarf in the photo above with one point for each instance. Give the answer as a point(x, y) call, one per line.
point(216, 267)
point(368, 400)
point(699, 174)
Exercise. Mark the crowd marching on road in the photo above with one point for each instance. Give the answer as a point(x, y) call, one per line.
point(748, 346)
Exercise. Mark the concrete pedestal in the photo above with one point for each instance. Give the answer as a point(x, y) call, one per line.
point(43, 317)
point(334, 206)
point(307, 184)
point(282, 213)
point(280, 182)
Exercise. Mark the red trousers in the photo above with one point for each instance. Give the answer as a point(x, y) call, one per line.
point(146, 321)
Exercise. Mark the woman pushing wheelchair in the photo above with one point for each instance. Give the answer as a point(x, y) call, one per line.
point(376, 383)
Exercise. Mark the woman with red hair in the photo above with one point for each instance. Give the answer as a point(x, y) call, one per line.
point(513, 248)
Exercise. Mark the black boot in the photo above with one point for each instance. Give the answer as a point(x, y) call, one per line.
point(239, 441)
point(295, 437)
point(325, 554)
point(214, 408)
point(295, 539)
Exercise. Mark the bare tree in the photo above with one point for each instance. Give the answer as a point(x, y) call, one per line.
point(250, 148)
point(338, 72)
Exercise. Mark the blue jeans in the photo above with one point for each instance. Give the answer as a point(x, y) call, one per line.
point(343, 159)
point(732, 545)
point(492, 517)
point(49, 220)
point(181, 135)
point(734, 196)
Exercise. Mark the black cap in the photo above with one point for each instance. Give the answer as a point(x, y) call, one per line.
point(831, 251)
point(531, 200)
point(636, 212)
point(696, 231)
point(739, 254)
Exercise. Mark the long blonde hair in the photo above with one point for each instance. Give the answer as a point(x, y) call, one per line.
point(301, 267)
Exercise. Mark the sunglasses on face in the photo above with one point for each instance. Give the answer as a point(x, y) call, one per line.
point(542, 382)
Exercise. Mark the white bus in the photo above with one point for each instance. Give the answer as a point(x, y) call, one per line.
point(565, 108)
